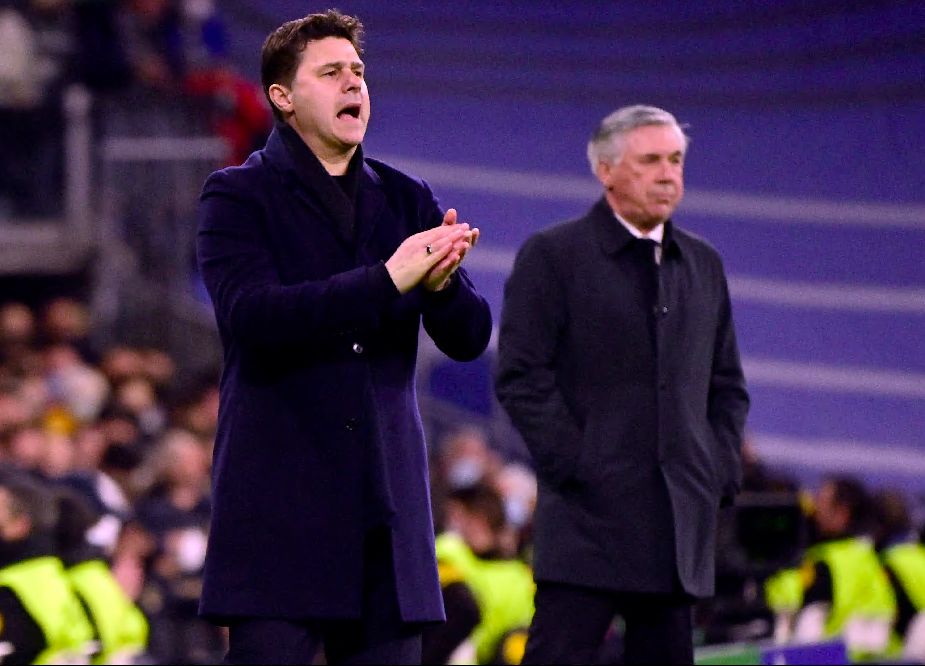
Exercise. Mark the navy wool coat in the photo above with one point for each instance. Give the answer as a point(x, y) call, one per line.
point(319, 434)
point(625, 382)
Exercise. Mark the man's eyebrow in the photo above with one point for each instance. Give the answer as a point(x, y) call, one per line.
point(674, 153)
point(340, 64)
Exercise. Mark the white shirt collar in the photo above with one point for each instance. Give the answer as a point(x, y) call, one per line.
point(657, 234)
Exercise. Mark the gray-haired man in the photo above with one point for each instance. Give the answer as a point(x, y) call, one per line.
point(619, 366)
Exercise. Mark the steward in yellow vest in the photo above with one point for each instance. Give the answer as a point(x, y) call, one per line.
point(902, 555)
point(473, 555)
point(848, 576)
point(41, 619)
point(843, 572)
point(120, 628)
point(503, 590)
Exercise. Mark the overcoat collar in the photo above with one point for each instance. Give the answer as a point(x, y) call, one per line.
point(304, 174)
point(613, 236)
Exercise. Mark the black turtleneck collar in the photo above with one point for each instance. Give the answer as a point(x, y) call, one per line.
point(338, 197)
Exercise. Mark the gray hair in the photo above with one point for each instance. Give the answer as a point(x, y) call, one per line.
point(607, 144)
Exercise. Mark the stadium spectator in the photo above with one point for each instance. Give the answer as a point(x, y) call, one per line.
point(902, 554)
point(473, 555)
point(841, 589)
point(175, 511)
point(120, 629)
point(43, 620)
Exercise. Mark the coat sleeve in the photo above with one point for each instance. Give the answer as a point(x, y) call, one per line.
point(531, 323)
point(458, 318)
point(728, 399)
point(250, 301)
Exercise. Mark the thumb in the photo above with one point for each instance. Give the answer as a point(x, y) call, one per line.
point(450, 217)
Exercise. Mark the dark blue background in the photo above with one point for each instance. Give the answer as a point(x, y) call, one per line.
point(814, 112)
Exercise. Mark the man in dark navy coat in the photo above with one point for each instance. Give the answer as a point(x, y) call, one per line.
point(619, 366)
point(321, 265)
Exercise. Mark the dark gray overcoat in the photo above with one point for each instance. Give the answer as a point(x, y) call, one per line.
point(624, 380)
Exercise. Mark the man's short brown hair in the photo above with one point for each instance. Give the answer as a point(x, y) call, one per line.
point(282, 50)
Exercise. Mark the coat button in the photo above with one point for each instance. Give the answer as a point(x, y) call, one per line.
point(357, 348)
point(664, 309)
point(351, 424)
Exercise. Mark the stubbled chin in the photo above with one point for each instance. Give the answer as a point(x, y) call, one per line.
point(351, 136)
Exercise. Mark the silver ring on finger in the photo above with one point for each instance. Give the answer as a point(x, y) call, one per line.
point(429, 249)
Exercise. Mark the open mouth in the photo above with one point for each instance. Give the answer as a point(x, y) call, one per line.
point(351, 110)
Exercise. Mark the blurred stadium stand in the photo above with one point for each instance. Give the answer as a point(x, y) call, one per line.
point(806, 119)
point(124, 239)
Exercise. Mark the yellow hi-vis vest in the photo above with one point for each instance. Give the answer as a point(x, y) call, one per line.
point(783, 591)
point(907, 561)
point(42, 587)
point(503, 590)
point(120, 625)
point(860, 587)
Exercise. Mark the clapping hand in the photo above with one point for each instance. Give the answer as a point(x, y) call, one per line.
point(439, 276)
point(423, 253)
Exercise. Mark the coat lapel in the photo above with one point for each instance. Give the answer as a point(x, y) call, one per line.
point(611, 235)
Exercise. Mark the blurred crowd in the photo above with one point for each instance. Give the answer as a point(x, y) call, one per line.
point(118, 449)
point(111, 430)
point(175, 50)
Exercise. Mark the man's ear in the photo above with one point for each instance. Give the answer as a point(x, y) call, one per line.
point(281, 97)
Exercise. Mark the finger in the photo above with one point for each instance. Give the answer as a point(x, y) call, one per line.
point(476, 233)
point(441, 270)
point(448, 264)
point(450, 217)
point(438, 252)
point(430, 235)
point(455, 240)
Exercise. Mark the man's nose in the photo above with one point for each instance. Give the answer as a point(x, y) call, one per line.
point(353, 81)
point(667, 172)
